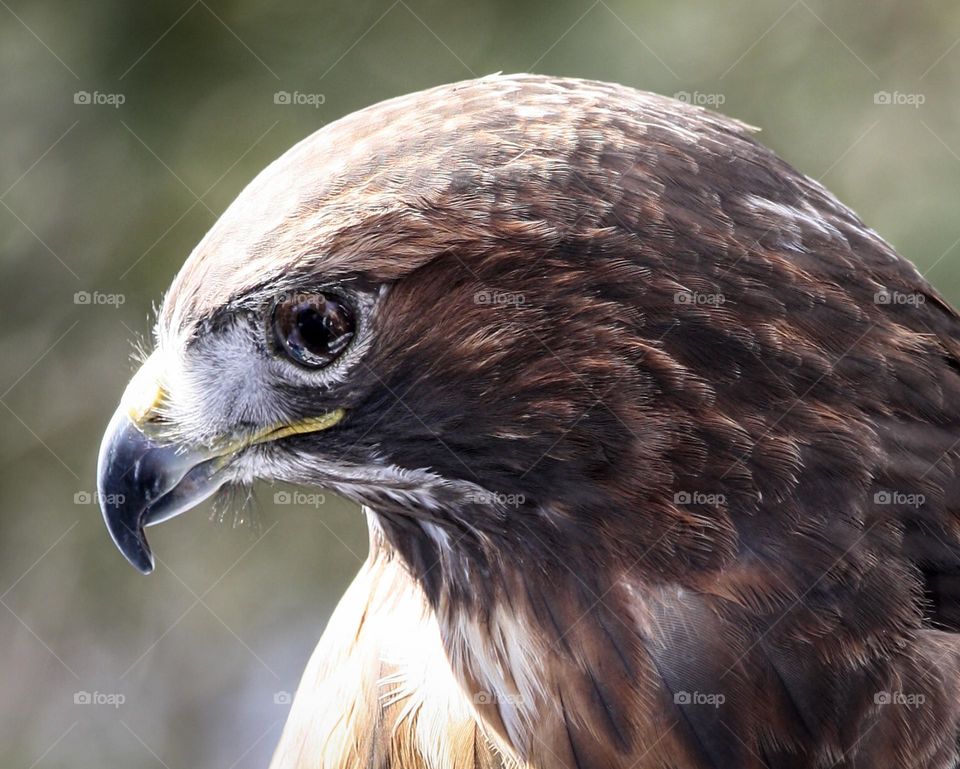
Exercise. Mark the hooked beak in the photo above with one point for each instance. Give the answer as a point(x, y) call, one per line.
point(141, 482)
point(143, 479)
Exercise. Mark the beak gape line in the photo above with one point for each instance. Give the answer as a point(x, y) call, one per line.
point(144, 480)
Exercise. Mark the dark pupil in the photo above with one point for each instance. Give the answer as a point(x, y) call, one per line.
point(312, 326)
point(314, 331)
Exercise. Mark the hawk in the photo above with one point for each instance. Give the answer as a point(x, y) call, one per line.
point(657, 442)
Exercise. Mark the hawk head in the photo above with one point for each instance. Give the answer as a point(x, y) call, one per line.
point(584, 352)
point(431, 307)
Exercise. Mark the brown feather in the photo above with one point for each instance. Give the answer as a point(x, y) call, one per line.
point(731, 410)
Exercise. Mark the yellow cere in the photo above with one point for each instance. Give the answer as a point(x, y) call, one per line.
point(144, 394)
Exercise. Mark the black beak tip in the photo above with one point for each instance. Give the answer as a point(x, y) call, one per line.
point(135, 549)
point(127, 534)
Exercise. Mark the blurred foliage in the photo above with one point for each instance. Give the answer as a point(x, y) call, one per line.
point(111, 198)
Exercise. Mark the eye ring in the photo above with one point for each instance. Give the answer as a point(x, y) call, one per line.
point(313, 329)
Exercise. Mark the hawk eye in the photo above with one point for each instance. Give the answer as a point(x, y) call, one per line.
point(313, 329)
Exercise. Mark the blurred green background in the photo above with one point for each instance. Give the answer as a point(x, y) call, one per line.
point(127, 128)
